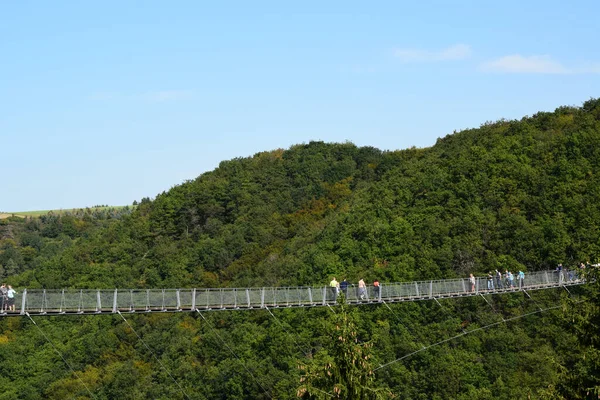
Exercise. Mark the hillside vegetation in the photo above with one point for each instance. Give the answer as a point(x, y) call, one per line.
point(508, 195)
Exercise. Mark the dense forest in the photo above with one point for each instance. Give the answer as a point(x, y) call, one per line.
point(518, 195)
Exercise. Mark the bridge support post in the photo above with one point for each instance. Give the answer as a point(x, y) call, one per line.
point(62, 301)
point(43, 302)
point(324, 296)
point(416, 289)
point(193, 299)
point(248, 297)
point(114, 307)
point(431, 289)
point(262, 298)
point(23, 302)
point(178, 300)
point(98, 302)
point(310, 296)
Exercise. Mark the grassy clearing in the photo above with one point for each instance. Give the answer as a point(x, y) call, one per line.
point(23, 214)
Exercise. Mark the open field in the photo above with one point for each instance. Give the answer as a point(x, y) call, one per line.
point(38, 213)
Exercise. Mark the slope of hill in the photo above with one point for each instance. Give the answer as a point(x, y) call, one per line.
point(509, 195)
point(516, 194)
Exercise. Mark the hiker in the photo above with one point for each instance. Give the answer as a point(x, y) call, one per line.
point(559, 271)
point(490, 281)
point(376, 289)
point(362, 289)
point(3, 297)
point(10, 294)
point(344, 287)
point(511, 279)
point(335, 287)
point(499, 280)
point(521, 278)
point(472, 282)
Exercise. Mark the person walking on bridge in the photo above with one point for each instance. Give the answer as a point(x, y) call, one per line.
point(472, 282)
point(3, 298)
point(362, 289)
point(499, 280)
point(376, 289)
point(10, 294)
point(521, 278)
point(490, 281)
point(344, 287)
point(334, 287)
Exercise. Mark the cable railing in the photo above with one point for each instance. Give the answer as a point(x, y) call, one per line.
point(90, 301)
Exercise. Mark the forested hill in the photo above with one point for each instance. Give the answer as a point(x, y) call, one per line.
point(511, 194)
point(517, 194)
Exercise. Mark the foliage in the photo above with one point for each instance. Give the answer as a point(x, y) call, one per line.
point(346, 370)
point(508, 195)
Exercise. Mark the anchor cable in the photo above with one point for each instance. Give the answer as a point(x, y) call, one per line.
point(61, 356)
point(154, 355)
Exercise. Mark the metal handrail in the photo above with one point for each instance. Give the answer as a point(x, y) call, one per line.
point(99, 301)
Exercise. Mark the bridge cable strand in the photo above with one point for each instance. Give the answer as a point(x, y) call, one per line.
point(306, 354)
point(234, 354)
point(531, 298)
point(154, 355)
point(400, 322)
point(450, 316)
point(467, 332)
point(492, 307)
point(332, 310)
point(61, 356)
point(286, 331)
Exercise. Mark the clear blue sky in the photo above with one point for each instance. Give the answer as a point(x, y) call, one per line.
point(107, 102)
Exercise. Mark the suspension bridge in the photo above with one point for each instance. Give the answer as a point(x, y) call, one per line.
point(102, 301)
point(46, 302)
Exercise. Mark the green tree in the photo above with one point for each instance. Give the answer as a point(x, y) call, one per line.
point(344, 370)
point(581, 372)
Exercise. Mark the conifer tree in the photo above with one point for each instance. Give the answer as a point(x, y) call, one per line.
point(344, 370)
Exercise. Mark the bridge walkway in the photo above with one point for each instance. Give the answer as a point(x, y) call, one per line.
point(101, 301)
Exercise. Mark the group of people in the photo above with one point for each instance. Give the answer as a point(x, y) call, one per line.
point(337, 287)
point(572, 273)
point(497, 280)
point(7, 298)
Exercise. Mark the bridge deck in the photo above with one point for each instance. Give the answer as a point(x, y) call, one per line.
point(98, 302)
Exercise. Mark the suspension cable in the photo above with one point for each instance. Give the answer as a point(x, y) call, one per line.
point(400, 322)
point(466, 333)
point(450, 316)
point(154, 355)
point(234, 354)
point(301, 349)
point(289, 334)
point(61, 356)
point(491, 306)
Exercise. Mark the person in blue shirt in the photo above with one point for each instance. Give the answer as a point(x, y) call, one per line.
point(344, 286)
point(521, 278)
